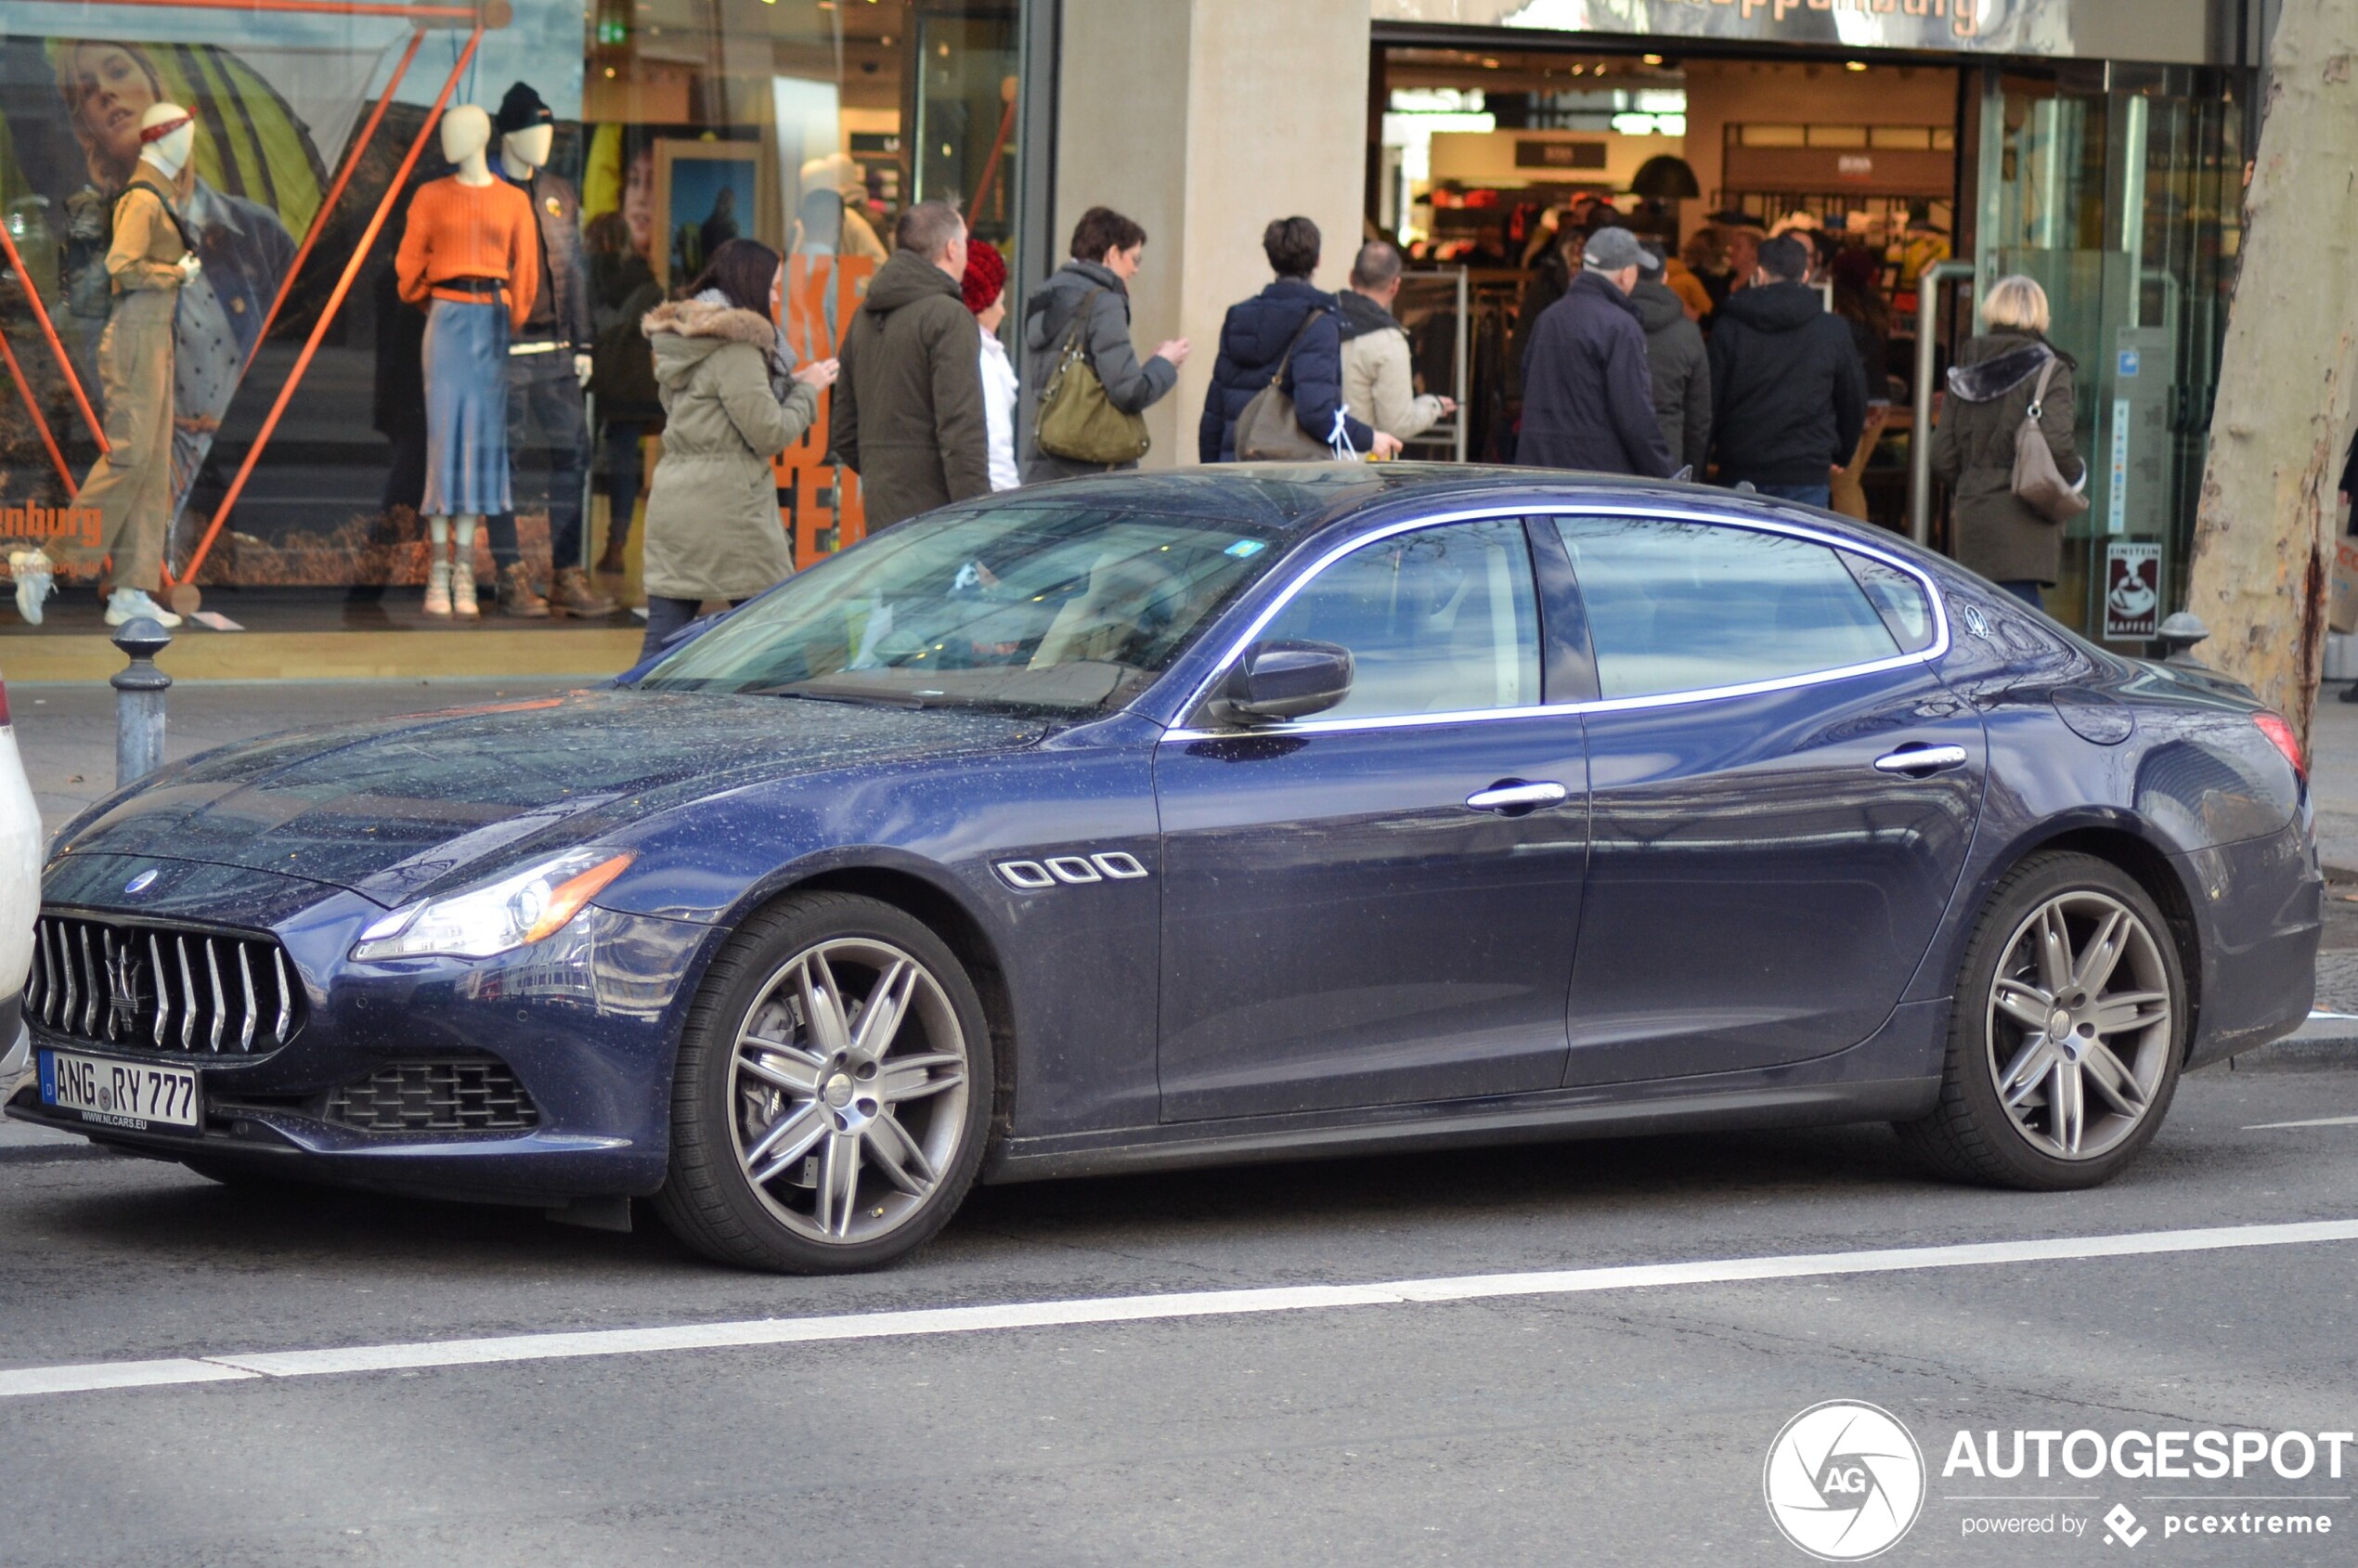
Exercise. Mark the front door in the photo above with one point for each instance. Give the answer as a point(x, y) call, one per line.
point(1782, 795)
point(1353, 914)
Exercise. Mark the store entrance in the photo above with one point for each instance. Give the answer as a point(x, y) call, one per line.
point(2114, 185)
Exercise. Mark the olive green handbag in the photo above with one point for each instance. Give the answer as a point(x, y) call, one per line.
point(1078, 421)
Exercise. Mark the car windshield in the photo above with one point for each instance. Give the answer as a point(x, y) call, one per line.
point(1068, 609)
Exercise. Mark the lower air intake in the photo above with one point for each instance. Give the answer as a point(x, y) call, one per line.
point(477, 1097)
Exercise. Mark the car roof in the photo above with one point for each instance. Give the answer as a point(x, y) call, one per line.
point(1302, 497)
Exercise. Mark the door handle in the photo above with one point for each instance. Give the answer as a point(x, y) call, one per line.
point(1513, 796)
point(1921, 760)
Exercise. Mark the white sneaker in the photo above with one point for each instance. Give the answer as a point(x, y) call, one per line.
point(462, 592)
point(438, 589)
point(35, 578)
point(127, 604)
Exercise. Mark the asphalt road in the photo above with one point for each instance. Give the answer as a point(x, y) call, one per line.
point(1615, 1426)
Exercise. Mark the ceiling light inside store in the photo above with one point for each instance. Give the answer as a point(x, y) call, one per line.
point(1855, 65)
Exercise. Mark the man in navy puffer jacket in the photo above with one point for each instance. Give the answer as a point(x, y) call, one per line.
point(1255, 337)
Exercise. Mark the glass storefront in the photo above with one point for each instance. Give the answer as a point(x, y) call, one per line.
point(2121, 191)
point(296, 456)
point(2117, 184)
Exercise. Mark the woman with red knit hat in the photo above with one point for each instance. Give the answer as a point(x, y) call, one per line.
point(986, 290)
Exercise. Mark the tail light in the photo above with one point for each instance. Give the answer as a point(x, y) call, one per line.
point(2281, 735)
point(3, 704)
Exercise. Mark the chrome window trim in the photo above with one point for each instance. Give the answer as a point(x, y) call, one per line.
point(1937, 649)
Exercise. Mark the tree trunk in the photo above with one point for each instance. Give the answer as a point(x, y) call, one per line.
point(2264, 543)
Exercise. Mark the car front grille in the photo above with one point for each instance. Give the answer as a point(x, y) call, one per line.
point(450, 1096)
point(160, 988)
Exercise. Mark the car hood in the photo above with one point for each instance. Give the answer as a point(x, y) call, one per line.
point(392, 808)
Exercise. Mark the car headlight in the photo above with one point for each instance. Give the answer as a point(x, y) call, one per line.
point(515, 912)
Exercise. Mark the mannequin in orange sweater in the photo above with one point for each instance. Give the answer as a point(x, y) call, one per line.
point(470, 256)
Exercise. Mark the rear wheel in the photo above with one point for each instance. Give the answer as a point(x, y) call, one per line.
point(2067, 1032)
point(832, 1093)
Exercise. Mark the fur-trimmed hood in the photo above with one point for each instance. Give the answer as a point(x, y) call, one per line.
point(687, 332)
point(695, 318)
point(1998, 362)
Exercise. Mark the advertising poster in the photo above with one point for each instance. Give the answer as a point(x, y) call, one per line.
point(2133, 590)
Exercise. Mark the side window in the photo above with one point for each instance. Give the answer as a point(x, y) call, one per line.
point(1899, 599)
point(1442, 620)
point(1689, 606)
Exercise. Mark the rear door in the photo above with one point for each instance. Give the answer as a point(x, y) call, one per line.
point(1782, 794)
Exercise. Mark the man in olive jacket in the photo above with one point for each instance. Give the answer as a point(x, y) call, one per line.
point(907, 414)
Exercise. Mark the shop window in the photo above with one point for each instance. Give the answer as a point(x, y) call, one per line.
point(677, 125)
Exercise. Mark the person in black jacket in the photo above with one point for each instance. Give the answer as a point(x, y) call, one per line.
point(1255, 338)
point(1588, 393)
point(1789, 398)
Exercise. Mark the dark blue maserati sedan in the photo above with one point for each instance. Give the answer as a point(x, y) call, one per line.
point(1162, 820)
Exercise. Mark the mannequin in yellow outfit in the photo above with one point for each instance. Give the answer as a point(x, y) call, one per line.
point(131, 486)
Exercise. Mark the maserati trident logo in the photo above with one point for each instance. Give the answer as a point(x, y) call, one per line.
point(125, 993)
point(142, 882)
point(1845, 1481)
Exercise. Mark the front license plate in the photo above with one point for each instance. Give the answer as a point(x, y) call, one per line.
point(136, 1097)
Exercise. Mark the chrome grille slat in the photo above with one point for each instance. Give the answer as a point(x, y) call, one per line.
point(131, 983)
point(189, 998)
point(245, 973)
point(286, 992)
point(90, 984)
point(220, 1002)
point(164, 995)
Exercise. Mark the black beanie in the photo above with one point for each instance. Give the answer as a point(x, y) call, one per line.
point(520, 108)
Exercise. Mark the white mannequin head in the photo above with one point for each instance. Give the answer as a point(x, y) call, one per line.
point(169, 150)
point(466, 132)
point(528, 148)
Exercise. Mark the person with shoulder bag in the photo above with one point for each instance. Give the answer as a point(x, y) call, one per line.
point(730, 405)
point(2007, 448)
point(1276, 389)
point(1093, 388)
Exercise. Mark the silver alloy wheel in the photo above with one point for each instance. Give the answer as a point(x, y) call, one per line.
point(848, 1090)
point(2079, 1025)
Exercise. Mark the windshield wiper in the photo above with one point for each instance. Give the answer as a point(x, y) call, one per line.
point(851, 699)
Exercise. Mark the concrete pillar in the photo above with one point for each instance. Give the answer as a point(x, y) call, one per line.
point(1203, 120)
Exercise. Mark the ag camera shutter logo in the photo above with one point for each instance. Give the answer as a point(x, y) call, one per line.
point(1845, 1481)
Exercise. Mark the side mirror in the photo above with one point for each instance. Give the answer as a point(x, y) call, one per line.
point(1283, 680)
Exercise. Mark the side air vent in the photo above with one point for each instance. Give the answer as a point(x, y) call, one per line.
point(455, 1097)
point(161, 988)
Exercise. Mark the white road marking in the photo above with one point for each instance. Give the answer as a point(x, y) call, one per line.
point(2321, 1121)
point(1139, 1309)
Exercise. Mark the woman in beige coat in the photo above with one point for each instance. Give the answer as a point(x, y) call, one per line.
point(729, 406)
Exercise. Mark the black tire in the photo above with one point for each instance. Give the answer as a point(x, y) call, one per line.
point(1973, 1136)
point(711, 1200)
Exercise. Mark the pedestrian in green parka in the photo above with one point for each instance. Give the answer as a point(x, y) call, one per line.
point(731, 404)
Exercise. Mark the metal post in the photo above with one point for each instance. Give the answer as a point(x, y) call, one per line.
point(139, 690)
point(1920, 439)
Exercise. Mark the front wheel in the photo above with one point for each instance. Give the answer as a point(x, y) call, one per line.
point(2068, 1033)
point(832, 1093)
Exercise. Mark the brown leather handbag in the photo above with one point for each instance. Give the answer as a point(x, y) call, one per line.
point(2038, 482)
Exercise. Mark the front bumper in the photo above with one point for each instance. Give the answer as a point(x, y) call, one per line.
point(588, 1022)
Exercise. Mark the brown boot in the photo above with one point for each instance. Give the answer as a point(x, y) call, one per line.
point(610, 564)
point(572, 594)
point(516, 597)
